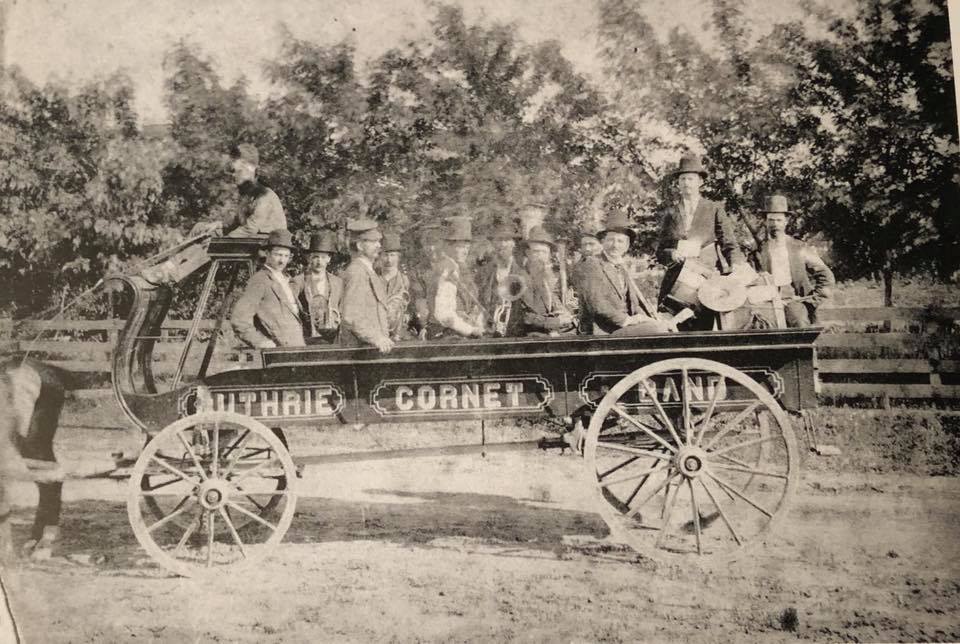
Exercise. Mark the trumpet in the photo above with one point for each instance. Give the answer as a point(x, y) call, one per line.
point(511, 290)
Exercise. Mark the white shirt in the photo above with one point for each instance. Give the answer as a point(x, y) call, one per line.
point(779, 262)
point(284, 286)
point(688, 208)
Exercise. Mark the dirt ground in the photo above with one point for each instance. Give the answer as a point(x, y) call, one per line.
point(506, 547)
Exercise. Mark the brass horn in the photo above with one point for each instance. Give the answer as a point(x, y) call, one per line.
point(509, 291)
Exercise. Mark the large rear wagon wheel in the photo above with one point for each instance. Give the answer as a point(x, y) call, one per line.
point(690, 455)
point(221, 506)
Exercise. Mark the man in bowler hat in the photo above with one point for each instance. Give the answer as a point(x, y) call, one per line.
point(318, 291)
point(542, 310)
point(400, 309)
point(267, 314)
point(365, 318)
point(456, 310)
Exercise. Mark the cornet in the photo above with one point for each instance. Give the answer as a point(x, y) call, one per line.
point(511, 290)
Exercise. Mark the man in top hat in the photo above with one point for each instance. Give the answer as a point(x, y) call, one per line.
point(541, 306)
point(803, 278)
point(267, 314)
point(689, 227)
point(497, 273)
point(421, 277)
point(456, 310)
point(319, 292)
point(400, 308)
point(613, 300)
point(364, 293)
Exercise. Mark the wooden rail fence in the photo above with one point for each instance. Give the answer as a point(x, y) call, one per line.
point(877, 353)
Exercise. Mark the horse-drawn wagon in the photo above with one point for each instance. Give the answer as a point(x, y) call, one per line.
point(685, 438)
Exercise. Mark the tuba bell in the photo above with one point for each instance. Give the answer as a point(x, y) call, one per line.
point(511, 290)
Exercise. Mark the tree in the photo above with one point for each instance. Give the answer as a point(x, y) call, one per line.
point(880, 87)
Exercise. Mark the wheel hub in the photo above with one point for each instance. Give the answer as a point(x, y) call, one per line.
point(213, 494)
point(691, 461)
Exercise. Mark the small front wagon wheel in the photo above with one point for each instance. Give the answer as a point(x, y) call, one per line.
point(212, 500)
point(690, 455)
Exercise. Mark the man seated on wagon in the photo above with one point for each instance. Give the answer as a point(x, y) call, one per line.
point(259, 213)
point(267, 314)
point(498, 273)
point(614, 301)
point(401, 315)
point(319, 292)
point(541, 306)
point(456, 310)
point(803, 279)
point(364, 293)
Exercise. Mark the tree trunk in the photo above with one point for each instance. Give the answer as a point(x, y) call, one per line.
point(887, 287)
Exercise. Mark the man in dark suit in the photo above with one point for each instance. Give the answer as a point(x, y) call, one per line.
point(319, 292)
point(267, 314)
point(613, 300)
point(497, 273)
point(541, 307)
point(365, 318)
point(697, 228)
point(589, 247)
point(803, 278)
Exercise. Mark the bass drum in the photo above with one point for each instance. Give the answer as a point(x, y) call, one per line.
point(681, 283)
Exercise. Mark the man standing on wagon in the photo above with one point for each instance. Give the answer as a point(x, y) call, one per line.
point(690, 227)
point(613, 300)
point(365, 318)
point(267, 314)
point(319, 292)
point(804, 280)
point(400, 310)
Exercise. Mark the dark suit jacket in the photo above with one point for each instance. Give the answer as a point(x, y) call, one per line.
point(364, 304)
point(264, 312)
point(809, 275)
point(487, 287)
point(608, 304)
point(710, 224)
point(318, 308)
point(539, 308)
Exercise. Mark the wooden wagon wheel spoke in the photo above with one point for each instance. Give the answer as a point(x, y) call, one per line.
point(633, 477)
point(617, 468)
point(663, 414)
point(180, 508)
point(749, 470)
point(193, 456)
point(696, 515)
point(639, 486)
point(211, 532)
point(243, 510)
point(623, 414)
point(723, 515)
point(633, 511)
point(745, 444)
point(725, 485)
point(670, 501)
point(215, 465)
point(174, 470)
point(233, 532)
point(253, 470)
point(238, 446)
point(729, 426)
point(188, 532)
point(617, 447)
point(708, 415)
point(152, 488)
point(685, 398)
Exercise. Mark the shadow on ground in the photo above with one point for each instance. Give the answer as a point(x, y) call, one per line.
point(97, 532)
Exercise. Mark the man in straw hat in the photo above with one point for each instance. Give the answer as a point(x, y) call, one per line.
point(364, 293)
point(542, 310)
point(318, 291)
point(499, 271)
point(456, 310)
point(267, 314)
point(614, 301)
point(400, 307)
point(803, 279)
